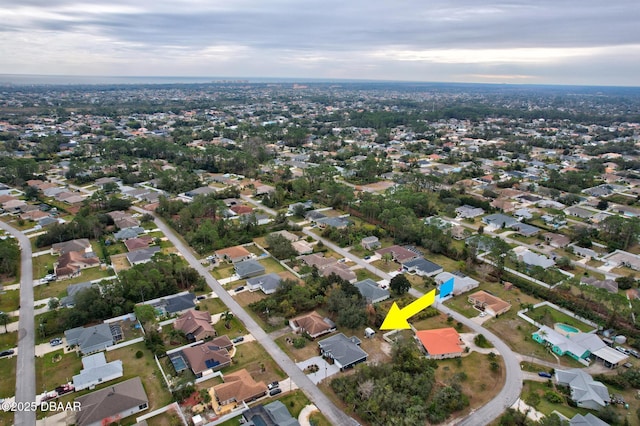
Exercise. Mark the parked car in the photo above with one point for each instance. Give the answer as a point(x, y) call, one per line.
point(275, 391)
point(7, 352)
point(55, 342)
point(239, 288)
point(621, 349)
point(367, 257)
point(273, 385)
point(627, 365)
point(238, 339)
point(544, 374)
point(201, 297)
point(483, 314)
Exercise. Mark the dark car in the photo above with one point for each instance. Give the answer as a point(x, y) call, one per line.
point(275, 391)
point(7, 352)
point(238, 339)
point(544, 374)
point(239, 288)
point(55, 342)
point(273, 385)
point(201, 297)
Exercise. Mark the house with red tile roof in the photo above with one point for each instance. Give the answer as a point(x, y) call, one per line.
point(441, 343)
point(313, 324)
point(233, 254)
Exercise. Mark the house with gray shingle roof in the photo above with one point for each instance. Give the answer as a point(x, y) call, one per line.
point(142, 256)
point(249, 268)
point(267, 283)
point(344, 351)
point(91, 339)
point(585, 392)
point(96, 370)
point(370, 290)
point(118, 401)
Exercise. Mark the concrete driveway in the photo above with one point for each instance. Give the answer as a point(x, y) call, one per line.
point(325, 369)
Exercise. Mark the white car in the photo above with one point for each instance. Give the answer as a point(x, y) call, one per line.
point(483, 314)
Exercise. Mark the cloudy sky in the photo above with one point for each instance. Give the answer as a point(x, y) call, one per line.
point(560, 42)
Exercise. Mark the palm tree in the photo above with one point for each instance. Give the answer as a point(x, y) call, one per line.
point(4, 319)
point(227, 316)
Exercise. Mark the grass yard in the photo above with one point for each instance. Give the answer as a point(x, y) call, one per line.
point(255, 250)
point(213, 305)
point(295, 401)
point(309, 350)
point(271, 265)
point(545, 406)
point(363, 274)
point(10, 300)
point(223, 271)
point(385, 266)
point(52, 289)
point(245, 298)
point(252, 357)
point(8, 340)
point(43, 264)
point(147, 369)
point(8, 377)
point(439, 321)
point(55, 369)
point(548, 316)
point(236, 328)
point(481, 383)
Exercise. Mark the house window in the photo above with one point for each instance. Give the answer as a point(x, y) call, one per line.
point(143, 406)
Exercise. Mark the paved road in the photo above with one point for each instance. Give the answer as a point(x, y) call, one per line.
point(26, 368)
point(328, 409)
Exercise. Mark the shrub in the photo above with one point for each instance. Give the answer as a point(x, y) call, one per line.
point(139, 354)
point(299, 342)
point(553, 397)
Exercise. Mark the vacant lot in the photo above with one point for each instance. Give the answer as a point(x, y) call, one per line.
point(8, 377)
point(10, 301)
point(252, 357)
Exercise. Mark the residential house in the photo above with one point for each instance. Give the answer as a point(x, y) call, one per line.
point(238, 387)
point(138, 243)
point(499, 221)
point(173, 304)
point(371, 292)
point(579, 346)
point(578, 211)
point(468, 212)
point(314, 215)
point(249, 268)
point(422, 267)
point(489, 303)
point(68, 301)
point(128, 233)
point(233, 254)
point(586, 420)
point(556, 240)
point(341, 270)
point(142, 256)
point(530, 258)
point(302, 247)
point(307, 205)
point(287, 235)
point(585, 392)
point(461, 282)
point(196, 325)
point(610, 285)
point(203, 190)
point(275, 413)
point(96, 370)
point(503, 205)
point(82, 244)
point(440, 343)
point(398, 253)
point(112, 404)
point(345, 352)
point(71, 263)
point(370, 243)
point(313, 324)
point(525, 229)
point(206, 358)
point(91, 339)
point(523, 214)
point(333, 222)
point(268, 283)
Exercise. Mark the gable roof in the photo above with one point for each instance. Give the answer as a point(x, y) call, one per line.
point(72, 245)
point(130, 232)
point(247, 268)
point(142, 255)
point(583, 387)
point(400, 254)
point(96, 368)
point(345, 350)
point(110, 401)
point(268, 283)
point(440, 341)
point(586, 420)
point(90, 337)
point(371, 292)
point(423, 265)
point(236, 252)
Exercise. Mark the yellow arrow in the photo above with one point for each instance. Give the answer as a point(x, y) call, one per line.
point(397, 318)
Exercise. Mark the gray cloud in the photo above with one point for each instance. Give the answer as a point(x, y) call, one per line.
point(376, 35)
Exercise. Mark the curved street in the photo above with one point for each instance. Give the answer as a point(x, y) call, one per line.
point(324, 404)
point(26, 368)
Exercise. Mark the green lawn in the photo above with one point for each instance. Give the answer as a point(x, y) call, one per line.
point(255, 250)
point(548, 316)
point(271, 265)
point(223, 271)
point(52, 289)
point(10, 300)
point(8, 377)
point(8, 340)
point(213, 306)
point(55, 369)
point(363, 274)
point(43, 264)
point(236, 328)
